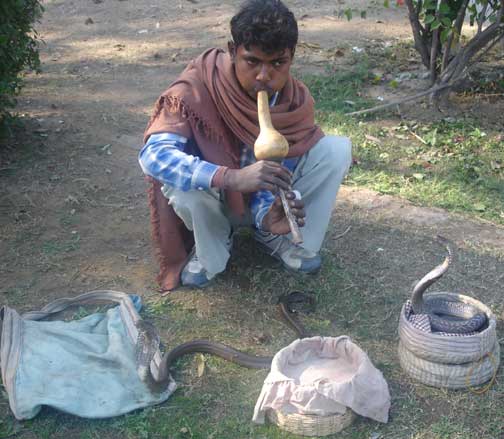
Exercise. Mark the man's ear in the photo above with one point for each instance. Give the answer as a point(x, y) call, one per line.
point(232, 50)
point(293, 51)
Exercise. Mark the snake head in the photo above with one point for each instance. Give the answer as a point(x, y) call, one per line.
point(297, 301)
point(432, 276)
point(147, 343)
point(442, 240)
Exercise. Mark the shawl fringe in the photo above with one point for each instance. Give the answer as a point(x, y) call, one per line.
point(176, 105)
point(156, 229)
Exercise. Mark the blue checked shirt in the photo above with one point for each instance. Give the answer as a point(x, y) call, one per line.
point(164, 159)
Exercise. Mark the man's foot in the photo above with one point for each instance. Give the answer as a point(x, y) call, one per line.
point(292, 256)
point(194, 274)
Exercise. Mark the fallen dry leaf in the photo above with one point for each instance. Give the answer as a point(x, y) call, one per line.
point(495, 164)
point(309, 45)
point(372, 139)
point(201, 365)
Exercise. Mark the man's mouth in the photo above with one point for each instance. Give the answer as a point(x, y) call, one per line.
point(263, 87)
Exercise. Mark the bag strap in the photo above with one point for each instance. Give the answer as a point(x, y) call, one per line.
point(86, 298)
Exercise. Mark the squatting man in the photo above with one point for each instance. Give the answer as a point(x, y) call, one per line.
point(198, 154)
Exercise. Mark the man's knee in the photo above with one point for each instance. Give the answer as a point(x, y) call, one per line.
point(336, 152)
point(189, 198)
point(192, 202)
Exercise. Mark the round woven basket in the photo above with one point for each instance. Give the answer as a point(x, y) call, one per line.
point(311, 425)
point(449, 349)
point(452, 376)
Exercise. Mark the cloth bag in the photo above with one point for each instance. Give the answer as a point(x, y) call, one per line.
point(323, 376)
point(89, 367)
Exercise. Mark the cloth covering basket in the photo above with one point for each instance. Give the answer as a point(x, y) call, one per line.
point(317, 385)
point(87, 367)
point(450, 361)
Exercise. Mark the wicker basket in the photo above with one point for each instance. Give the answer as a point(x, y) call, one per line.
point(449, 349)
point(451, 376)
point(449, 361)
point(311, 425)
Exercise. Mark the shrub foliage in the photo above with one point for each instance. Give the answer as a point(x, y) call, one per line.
point(437, 28)
point(18, 47)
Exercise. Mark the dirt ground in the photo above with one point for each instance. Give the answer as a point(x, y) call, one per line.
point(73, 206)
point(74, 214)
point(103, 65)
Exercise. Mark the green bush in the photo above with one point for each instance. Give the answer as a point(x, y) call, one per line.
point(18, 47)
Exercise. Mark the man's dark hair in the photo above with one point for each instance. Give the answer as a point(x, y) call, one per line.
point(267, 24)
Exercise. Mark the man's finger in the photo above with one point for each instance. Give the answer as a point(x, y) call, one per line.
point(296, 204)
point(282, 183)
point(273, 188)
point(279, 171)
point(277, 181)
point(298, 213)
point(284, 177)
point(279, 168)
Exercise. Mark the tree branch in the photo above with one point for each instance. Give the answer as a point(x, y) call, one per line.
point(417, 34)
point(435, 44)
point(418, 10)
point(500, 13)
point(459, 22)
point(461, 61)
point(431, 90)
point(490, 47)
point(452, 71)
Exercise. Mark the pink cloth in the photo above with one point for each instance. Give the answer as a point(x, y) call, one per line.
point(323, 376)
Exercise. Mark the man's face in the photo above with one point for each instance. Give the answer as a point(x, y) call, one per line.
point(257, 70)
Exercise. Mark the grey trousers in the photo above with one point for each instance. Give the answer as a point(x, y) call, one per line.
point(317, 177)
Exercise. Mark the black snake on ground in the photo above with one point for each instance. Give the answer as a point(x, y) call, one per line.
point(448, 316)
point(148, 342)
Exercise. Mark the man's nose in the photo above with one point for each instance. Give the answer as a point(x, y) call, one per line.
point(264, 74)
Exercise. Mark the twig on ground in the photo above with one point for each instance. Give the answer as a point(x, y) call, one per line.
point(403, 100)
point(155, 316)
point(342, 234)
point(486, 95)
point(80, 271)
point(418, 137)
point(393, 310)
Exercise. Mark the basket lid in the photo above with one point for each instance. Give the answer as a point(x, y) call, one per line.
point(323, 376)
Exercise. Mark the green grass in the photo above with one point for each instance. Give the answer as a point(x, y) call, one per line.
point(53, 246)
point(359, 293)
point(338, 93)
point(452, 164)
point(458, 168)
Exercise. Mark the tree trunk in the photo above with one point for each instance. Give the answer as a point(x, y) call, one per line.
point(418, 36)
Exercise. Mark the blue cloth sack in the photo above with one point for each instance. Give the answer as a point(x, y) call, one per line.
point(88, 367)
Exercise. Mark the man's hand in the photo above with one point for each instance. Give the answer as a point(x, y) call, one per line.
point(260, 175)
point(275, 220)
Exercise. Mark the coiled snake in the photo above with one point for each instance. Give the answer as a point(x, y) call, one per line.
point(445, 315)
point(148, 342)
